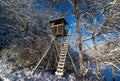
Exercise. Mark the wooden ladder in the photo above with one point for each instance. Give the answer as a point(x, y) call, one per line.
point(60, 68)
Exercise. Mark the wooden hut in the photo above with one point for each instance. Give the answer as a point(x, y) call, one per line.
point(58, 27)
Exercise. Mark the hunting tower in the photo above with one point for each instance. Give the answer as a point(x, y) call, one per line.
point(58, 31)
point(58, 27)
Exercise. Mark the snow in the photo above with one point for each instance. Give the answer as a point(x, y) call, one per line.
point(8, 73)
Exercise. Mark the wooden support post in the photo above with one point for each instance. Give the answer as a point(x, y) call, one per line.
point(56, 46)
point(47, 67)
point(55, 55)
point(72, 62)
point(33, 71)
point(48, 64)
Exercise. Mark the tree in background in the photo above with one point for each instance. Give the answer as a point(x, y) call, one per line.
point(27, 22)
point(28, 31)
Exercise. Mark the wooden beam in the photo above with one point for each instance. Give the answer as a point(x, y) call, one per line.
point(72, 62)
point(43, 57)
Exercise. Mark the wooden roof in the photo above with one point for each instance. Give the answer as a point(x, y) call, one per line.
point(59, 20)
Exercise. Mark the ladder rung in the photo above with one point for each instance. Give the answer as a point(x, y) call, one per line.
point(63, 57)
point(59, 70)
point(58, 73)
point(66, 46)
point(64, 51)
point(63, 54)
point(62, 60)
point(61, 63)
point(65, 42)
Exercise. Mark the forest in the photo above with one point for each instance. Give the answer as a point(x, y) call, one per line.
point(59, 40)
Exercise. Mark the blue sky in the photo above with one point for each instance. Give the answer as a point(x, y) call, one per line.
point(71, 21)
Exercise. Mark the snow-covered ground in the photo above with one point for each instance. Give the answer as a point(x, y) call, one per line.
point(12, 74)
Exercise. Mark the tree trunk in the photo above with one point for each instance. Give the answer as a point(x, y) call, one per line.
point(95, 53)
point(79, 37)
